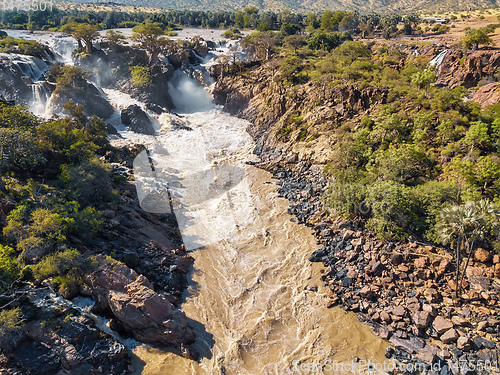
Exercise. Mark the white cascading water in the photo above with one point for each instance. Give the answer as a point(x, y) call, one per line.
point(438, 59)
point(256, 302)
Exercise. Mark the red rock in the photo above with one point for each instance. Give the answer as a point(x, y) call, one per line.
point(430, 309)
point(377, 269)
point(366, 292)
point(488, 94)
point(463, 343)
point(496, 259)
point(403, 268)
point(445, 354)
point(482, 255)
point(442, 325)
point(422, 319)
point(459, 321)
point(484, 310)
point(426, 356)
point(431, 295)
point(399, 311)
point(481, 326)
point(421, 262)
point(383, 333)
point(449, 336)
point(147, 315)
point(353, 274)
point(385, 317)
point(444, 266)
point(347, 235)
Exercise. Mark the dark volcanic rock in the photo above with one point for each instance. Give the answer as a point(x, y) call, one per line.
point(137, 120)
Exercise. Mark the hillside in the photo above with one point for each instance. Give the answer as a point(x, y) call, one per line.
point(379, 6)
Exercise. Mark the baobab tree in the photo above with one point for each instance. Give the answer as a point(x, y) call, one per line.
point(82, 32)
point(150, 36)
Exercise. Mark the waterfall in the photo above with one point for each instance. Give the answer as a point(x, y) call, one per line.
point(438, 59)
point(40, 98)
point(30, 66)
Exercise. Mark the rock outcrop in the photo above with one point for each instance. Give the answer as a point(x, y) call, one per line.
point(137, 120)
point(488, 94)
point(147, 315)
point(58, 339)
point(292, 123)
point(84, 93)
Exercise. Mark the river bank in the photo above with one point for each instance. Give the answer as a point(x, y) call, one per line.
point(404, 290)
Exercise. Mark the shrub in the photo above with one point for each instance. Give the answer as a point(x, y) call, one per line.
point(403, 164)
point(19, 151)
point(10, 320)
point(9, 269)
point(66, 264)
point(141, 76)
point(88, 182)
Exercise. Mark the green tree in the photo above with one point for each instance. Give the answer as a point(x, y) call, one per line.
point(19, 151)
point(294, 42)
point(466, 224)
point(423, 79)
point(83, 32)
point(115, 39)
point(149, 35)
point(474, 38)
point(260, 44)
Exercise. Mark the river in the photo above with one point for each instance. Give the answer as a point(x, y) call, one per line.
point(258, 304)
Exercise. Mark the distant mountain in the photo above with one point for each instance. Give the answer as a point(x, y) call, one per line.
point(304, 6)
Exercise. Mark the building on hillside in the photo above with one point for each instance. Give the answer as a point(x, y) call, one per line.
point(441, 20)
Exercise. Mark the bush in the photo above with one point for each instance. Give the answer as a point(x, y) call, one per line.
point(63, 263)
point(9, 269)
point(10, 320)
point(89, 182)
point(16, 117)
point(391, 209)
point(141, 76)
point(19, 151)
point(403, 164)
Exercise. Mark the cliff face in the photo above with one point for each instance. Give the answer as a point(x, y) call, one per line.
point(292, 123)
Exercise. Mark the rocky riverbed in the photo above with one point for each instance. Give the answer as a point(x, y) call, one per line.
point(404, 290)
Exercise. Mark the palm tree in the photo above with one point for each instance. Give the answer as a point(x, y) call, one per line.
point(467, 223)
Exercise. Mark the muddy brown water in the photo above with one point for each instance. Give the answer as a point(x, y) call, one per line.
point(255, 296)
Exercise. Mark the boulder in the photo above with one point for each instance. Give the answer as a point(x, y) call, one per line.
point(147, 315)
point(449, 336)
point(84, 93)
point(431, 295)
point(488, 94)
point(422, 319)
point(459, 321)
point(442, 325)
point(482, 255)
point(421, 262)
point(463, 343)
point(137, 120)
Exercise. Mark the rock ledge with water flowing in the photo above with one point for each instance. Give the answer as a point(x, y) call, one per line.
point(147, 315)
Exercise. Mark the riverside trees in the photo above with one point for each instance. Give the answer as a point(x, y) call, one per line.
point(150, 36)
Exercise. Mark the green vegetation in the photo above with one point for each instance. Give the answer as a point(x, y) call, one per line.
point(9, 44)
point(397, 169)
point(10, 320)
point(467, 224)
point(50, 214)
point(141, 75)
